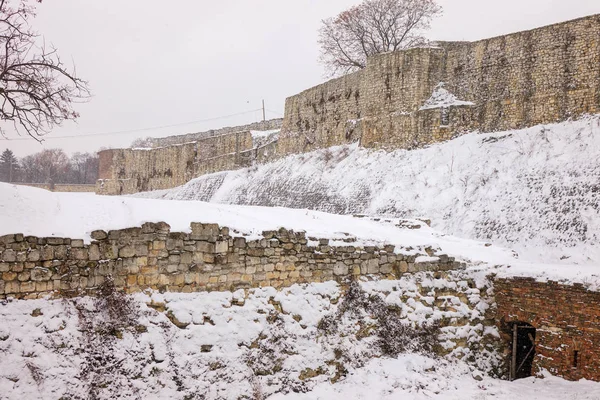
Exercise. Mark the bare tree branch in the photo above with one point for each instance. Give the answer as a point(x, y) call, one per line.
point(37, 90)
point(373, 27)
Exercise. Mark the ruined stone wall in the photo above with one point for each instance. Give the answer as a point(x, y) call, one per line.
point(127, 171)
point(193, 137)
point(208, 258)
point(566, 318)
point(523, 79)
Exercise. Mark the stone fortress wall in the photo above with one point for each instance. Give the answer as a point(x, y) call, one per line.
point(523, 79)
point(127, 171)
point(401, 100)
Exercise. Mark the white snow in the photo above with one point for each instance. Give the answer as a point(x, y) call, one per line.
point(33, 211)
point(263, 134)
point(534, 190)
point(45, 352)
point(442, 98)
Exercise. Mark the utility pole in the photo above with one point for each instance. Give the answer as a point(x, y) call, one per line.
point(263, 102)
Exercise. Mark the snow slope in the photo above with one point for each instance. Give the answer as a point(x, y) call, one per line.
point(51, 349)
point(536, 190)
point(37, 212)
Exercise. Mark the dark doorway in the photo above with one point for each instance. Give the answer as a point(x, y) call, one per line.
point(523, 350)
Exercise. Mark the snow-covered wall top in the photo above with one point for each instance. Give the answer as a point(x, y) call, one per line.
point(519, 80)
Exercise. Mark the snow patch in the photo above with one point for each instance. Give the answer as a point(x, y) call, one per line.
point(442, 98)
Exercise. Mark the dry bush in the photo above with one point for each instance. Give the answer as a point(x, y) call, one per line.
point(394, 336)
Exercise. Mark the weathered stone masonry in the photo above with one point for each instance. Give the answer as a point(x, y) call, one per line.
point(518, 80)
point(127, 171)
point(208, 258)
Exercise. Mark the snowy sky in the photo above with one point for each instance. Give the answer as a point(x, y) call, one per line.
point(154, 63)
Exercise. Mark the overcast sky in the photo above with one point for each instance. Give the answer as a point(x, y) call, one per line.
point(155, 63)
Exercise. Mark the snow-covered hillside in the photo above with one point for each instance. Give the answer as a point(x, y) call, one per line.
point(536, 190)
point(37, 212)
point(258, 344)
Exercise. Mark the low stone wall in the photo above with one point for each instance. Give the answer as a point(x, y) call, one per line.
point(60, 187)
point(567, 322)
point(208, 258)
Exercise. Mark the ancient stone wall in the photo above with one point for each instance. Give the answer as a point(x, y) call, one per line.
point(567, 322)
point(208, 258)
point(193, 137)
point(407, 99)
point(127, 171)
point(523, 79)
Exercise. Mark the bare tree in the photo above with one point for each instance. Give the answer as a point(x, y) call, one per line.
point(37, 90)
point(373, 27)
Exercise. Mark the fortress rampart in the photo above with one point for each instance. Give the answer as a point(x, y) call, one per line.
point(523, 79)
point(401, 100)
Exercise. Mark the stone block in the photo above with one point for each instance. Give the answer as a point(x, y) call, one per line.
point(9, 255)
point(9, 276)
point(33, 255)
point(221, 247)
point(340, 269)
point(99, 235)
point(127, 251)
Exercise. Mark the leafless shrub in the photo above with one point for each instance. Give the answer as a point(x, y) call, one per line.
point(394, 336)
point(101, 325)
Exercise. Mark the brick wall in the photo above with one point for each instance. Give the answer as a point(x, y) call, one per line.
point(566, 318)
point(208, 258)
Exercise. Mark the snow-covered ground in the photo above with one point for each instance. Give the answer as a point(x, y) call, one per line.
point(244, 345)
point(37, 212)
point(536, 190)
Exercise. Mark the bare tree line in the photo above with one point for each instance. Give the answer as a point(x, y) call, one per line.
point(49, 166)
